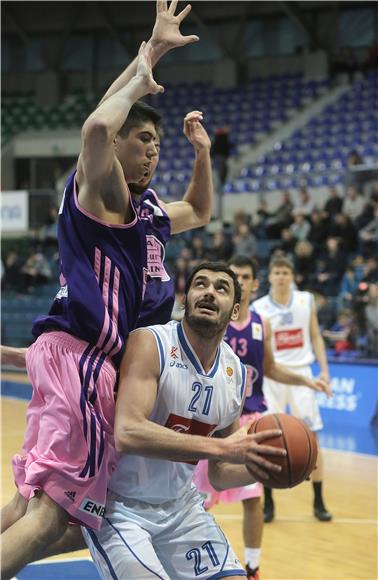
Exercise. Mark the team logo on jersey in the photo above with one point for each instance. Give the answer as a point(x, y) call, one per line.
point(174, 352)
point(229, 371)
point(257, 331)
point(155, 259)
point(286, 339)
point(286, 318)
point(252, 376)
point(190, 426)
point(178, 365)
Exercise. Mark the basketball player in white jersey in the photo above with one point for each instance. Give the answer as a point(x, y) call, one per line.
point(296, 342)
point(179, 384)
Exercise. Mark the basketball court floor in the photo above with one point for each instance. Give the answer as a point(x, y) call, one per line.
point(295, 545)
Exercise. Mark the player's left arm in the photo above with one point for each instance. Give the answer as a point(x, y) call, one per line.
point(194, 210)
point(281, 374)
point(13, 356)
point(319, 347)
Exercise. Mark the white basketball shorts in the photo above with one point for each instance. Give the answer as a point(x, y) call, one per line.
point(301, 400)
point(175, 540)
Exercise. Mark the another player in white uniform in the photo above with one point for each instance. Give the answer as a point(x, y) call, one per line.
point(296, 342)
point(180, 383)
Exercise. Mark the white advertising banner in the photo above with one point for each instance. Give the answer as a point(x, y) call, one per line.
point(14, 211)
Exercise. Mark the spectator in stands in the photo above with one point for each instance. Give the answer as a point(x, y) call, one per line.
point(341, 335)
point(244, 241)
point(221, 149)
point(354, 203)
point(333, 204)
point(368, 236)
point(345, 62)
point(367, 214)
point(198, 249)
point(36, 270)
point(301, 227)
point(349, 287)
point(222, 247)
point(353, 177)
point(354, 158)
point(261, 221)
point(370, 270)
point(48, 233)
point(326, 312)
point(319, 230)
point(12, 278)
point(344, 229)
point(303, 264)
point(288, 242)
point(305, 204)
point(180, 273)
point(281, 217)
point(371, 320)
point(241, 217)
point(330, 268)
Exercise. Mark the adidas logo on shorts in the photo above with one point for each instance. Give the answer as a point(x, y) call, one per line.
point(70, 494)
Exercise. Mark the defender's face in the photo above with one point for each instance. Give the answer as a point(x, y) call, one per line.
point(138, 154)
point(246, 280)
point(209, 303)
point(281, 278)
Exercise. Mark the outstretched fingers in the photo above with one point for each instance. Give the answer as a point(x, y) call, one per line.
point(172, 6)
point(161, 6)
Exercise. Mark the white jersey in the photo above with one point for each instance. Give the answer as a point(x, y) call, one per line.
point(291, 340)
point(188, 400)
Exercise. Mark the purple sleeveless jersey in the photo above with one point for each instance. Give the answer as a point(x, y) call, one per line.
point(103, 275)
point(159, 295)
point(247, 342)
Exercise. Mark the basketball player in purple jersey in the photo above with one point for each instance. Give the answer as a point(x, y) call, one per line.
point(249, 338)
point(81, 341)
point(161, 220)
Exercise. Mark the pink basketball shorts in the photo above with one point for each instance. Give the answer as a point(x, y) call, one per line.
point(228, 495)
point(68, 449)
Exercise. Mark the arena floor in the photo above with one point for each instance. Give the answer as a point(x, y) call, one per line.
point(295, 545)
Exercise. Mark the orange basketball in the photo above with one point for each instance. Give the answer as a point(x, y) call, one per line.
point(300, 444)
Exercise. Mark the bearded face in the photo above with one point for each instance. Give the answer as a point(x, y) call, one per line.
point(210, 303)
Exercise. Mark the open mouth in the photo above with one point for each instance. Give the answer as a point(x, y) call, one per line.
point(208, 306)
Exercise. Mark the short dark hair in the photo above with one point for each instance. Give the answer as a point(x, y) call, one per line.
point(281, 262)
point(139, 114)
point(241, 261)
point(216, 267)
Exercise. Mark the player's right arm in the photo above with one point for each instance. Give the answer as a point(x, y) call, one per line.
point(100, 176)
point(136, 434)
point(281, 373)
point(13, 356)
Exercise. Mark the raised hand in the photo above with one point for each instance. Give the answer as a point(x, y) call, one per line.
point(195, 132)
point(166, 32)
point(144, 70)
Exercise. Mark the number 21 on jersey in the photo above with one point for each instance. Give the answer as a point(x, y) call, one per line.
point(194, 404)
